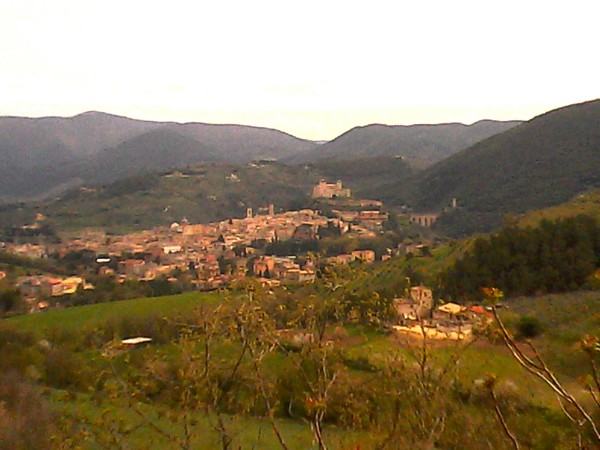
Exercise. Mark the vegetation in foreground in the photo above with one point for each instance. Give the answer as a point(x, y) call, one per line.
point(272, 369)
point(316, 365)
point(555, 256)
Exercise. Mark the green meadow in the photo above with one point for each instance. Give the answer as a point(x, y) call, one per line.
point(565, 318)
point(90, 316)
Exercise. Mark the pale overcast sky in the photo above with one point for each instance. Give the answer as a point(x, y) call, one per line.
point(313, 68)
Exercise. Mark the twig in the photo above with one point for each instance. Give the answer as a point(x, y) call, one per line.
point(500, 416)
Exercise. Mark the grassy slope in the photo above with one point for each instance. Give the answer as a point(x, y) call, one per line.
point(247, 432)
point(202, 195)
point(387, 272)
point(85, 317)
point(588, 204)
point(565, 319)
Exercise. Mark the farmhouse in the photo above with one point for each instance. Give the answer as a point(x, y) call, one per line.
point(417, 307)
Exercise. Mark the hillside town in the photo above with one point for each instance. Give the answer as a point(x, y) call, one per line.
point(213, 254)
point(220, 231)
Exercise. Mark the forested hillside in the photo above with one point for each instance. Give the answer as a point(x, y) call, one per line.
point(45, 156)
point(555, 256)
point(540, 163)
point(420, 145)
point(200, 192)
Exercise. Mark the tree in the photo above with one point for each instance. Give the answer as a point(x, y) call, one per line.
point(26, 421)
point(534, 363)
point(528, 327)
point(10, 301)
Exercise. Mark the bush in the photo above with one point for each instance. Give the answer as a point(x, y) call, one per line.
point(26, 421)
point(62, 370)
point(528, 327)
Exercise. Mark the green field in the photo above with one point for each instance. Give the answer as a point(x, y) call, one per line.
point(565, 318)
point(246, 432)
point(109, 413)
point(89, 316)
point(587, 204)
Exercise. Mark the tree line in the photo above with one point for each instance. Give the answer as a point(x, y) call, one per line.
point(555, 256)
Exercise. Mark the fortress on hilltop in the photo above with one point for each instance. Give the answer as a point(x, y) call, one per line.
point(330, 190)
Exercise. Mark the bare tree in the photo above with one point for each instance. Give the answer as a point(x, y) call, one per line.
point(536, 365)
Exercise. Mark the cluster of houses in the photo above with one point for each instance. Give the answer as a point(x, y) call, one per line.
point(417, 315)
point(34, 288)
point(365, 256)
point(213, 254)
point(33, 251)
point(283, 269)
point(200, 250)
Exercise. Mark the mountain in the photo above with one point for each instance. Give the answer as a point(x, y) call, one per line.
point(37, 155)
point(202, 192)
point(24, 140)
point(45, 156)
point(238, 143)
point(157, 149)
point(587, 204)
point(420, 145)
point(540, 163)
point(41, 155)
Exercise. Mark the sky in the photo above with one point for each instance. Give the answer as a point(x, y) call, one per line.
point(313, 68)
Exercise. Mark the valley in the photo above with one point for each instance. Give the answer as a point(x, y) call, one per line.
point(206, 286)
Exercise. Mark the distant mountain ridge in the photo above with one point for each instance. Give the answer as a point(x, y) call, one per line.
point(201, 192)
point(420, 145)
point(40, 154)
point(540, 163)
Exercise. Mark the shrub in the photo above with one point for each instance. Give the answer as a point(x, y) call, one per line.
point(528, 327)
point(26, 421)
point(62, 370)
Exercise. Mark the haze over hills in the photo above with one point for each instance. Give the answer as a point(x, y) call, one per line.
point(420, 145)
point(537, 164)
point(39, 155)
point(240, 143)
point(156, 149)
point(45, 156)
point(201, 192)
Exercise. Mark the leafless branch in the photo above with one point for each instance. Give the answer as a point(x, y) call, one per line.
point(540, 369)
point(502, 421)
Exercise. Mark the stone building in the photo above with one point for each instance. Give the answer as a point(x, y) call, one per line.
point(424, 220)
point(330, 190)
